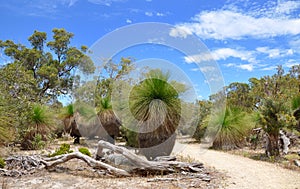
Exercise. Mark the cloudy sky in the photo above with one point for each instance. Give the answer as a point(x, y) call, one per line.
point(247, 38)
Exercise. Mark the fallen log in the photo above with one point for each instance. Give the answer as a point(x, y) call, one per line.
point(52, 162)
point(143, 166)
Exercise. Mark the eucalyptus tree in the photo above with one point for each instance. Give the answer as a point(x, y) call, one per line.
point(52, 71)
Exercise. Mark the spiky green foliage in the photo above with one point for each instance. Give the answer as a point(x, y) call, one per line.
point(40, 121)
point(105, 104)
point(232, 127)
point(154, 94)
point(69, 110)
point(109, 121)
point(41, 115)
point(156, 104)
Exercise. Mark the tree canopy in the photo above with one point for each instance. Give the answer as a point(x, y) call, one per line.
point(47, 67)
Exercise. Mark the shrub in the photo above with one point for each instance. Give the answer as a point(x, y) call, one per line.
point(131, 137)
point(85, 151)
point(63, 149)
point(2, 163)
point(38, 142)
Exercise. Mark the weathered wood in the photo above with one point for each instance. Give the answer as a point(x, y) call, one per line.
point(90, 161)
point(142, 166)
point(285, 142)
point(165, 158)
point(136, 160)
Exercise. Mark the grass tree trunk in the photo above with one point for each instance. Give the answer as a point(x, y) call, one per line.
point(272, 146)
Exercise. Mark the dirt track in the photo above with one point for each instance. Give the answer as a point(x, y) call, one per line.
point(243, 172)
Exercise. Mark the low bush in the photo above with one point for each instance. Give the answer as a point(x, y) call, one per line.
point(85, 151)
point(63, 149)
point(2, 163)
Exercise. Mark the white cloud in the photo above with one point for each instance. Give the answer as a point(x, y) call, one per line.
point(198, 58)
point(291, 63)
point(195, 69)
point(221, 54)
point(275, 53)
point(248, 67)
point(269, 68)
point(180, 31)
point(128, 21)
point(70, 2)
point(286, 7)
point(227, 24)
point(105, 2)
point(205, 69)
point(160, 14)
point(295, 44)
point(149, 14)
point(224, 53)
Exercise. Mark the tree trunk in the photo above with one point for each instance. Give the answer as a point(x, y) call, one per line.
point(272, 147)
point(163, 147)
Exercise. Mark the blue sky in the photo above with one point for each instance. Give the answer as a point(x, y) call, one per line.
point(246, 38)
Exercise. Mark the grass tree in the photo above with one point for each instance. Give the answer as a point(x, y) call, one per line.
point(109, 121)
point(80, 120)
point(67, 117)
point(40, 121)
point(155, 103)
point(231, 128)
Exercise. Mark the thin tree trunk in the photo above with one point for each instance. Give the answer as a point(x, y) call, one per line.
point(272, 147)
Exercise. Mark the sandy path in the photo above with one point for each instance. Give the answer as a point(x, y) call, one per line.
point(243, 172)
